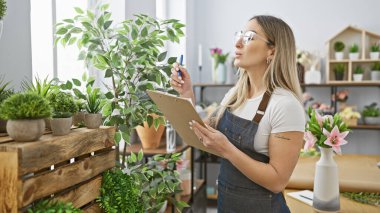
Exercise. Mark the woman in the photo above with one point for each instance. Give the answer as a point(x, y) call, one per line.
point(258, 130)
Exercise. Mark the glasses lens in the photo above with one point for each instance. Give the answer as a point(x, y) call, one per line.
point(237, 36)
point(248, 36)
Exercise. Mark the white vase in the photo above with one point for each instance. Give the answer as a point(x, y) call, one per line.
point(375, 75)
point(312, 76)
point(1, 27)
point(354, 56)
point(358, 77)
point(219, 74)
point(326, 183)
point(338, 55)
point(372, 55)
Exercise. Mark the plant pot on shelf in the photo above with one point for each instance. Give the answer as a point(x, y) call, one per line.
point(339, 76)
point(47, 123)
point(93, 121)
point(149, 136)
point(25, 130)
point(374, 55)
point(354, 56)
point(219, 73)
point(313, 76)
point(375, 75)
point(357, 77)
point(351, 121)
point(339, 55)
point(3, 126)
point(372, 120)
point(78, 118)
point(61, 126)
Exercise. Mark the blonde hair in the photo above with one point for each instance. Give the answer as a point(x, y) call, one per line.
point(281, 71)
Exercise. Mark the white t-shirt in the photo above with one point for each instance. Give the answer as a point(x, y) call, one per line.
point(284, 113)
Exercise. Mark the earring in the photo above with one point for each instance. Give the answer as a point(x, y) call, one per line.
point(268, 60)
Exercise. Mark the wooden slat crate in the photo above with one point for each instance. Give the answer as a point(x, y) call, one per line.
point(67, 168)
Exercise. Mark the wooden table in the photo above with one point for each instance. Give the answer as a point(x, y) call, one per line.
point(346, 205)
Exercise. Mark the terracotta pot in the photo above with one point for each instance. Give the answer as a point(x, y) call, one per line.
point(61, 126)
point(3, 126)
point(93, 121)
point(150, 138)
point(26, 130)
point(78, 118)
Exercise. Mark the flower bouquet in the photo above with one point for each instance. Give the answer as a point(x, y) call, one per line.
point(219, 74)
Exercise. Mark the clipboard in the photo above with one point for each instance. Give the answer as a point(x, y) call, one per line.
point(180, 111)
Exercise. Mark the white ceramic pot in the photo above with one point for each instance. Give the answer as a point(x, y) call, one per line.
point(339, 55)
point(326, 183)
point(219, 74)
point(61, 126)
point(358, 77)
point(375, 75)
point(372, 120)
point(374, 55)
point(312, 77)
point(354, 56)
point(93, 121)
point(26, 130)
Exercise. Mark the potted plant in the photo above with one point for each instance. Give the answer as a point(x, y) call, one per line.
point(371, 114)
point(63, 108)
point(339, 47)
point(375, 73)
point(374, 54)
point(25, 113)
point(349, 116)
point(354, 52)
point(339, 70)
point(3, 10)
point(78, 117)
point(358, 73)
point(93, 119)
point(4, 94)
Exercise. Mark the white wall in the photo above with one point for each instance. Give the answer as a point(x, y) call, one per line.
point(15, 43)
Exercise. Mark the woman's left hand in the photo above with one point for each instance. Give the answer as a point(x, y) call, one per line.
point(212, 138)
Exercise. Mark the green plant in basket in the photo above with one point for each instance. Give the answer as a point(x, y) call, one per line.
point(63, 105)
point(371, 110)
point(49, 206)
point(375, 48)
point(93, 100)
point(339, 68)
point(339, 46)
point(376, 66)
point(354, 48)
point(358, 70)
point(25, 106)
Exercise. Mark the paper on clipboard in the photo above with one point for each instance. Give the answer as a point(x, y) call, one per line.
point(179, 111)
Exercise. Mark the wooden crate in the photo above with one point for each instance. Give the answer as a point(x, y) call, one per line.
point(67, 168)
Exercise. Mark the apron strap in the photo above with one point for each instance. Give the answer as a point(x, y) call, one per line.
point(262, 107)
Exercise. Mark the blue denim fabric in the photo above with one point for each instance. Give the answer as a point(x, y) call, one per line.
point(237, 193)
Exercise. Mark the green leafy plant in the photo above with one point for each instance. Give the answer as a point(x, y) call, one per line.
point(80, 104)
point(5, 92)
point(49, 206)
point(339, 46)
point(25, 106)
point(375, 48)
point(358, 70)
point(3, 8)
point(63, 104)
point(339, 68)
point(371, 110)
point(41, 87)
point(93, 100)
point(376, 66)
point(364, 197)
point(354, 48)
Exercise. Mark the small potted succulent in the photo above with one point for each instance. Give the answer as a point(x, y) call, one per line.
point(93, 119)
point(354, 52)
point(375, 73)
point(374, 54)
point(339, 70)
point(64, 106)
point(339, 47)
point(358, 74)
point(3, 10)
point(371, 114)
point(25, 113)
point(4, 94)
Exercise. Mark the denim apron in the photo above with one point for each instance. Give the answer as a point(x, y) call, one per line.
point(237, 193)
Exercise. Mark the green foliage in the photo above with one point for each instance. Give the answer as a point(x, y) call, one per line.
point(25, 106)
point(358, 70)
point(4, 91)
point(3, 8)
point(354, 48)
point(376, 66)
point(63, 104)
point(364, 197)
point(371, 110)
point(41, 87)
point(375, 48)
point(49, 206)
point(339, 68)
point(339, 46)
point(80, 104)
point(93, 100)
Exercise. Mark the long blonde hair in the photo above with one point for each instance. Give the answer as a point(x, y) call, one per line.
point(281, 71)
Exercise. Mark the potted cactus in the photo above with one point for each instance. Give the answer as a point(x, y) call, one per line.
point(339, 47)
point(25, 113)
point(354, 52)
point(375, 73)
point(3, 10)
point(371, 114)
point(93, 119)
point(63, 108)
point(358, 73)
point(374, 54)
point(339, 70)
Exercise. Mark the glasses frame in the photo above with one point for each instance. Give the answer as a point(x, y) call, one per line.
point(246, 38)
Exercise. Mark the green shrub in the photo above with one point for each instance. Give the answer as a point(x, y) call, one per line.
point(339, 68)
point(375, 48)
point(371, 110)
point(49, 206)
point(25, 106)
point(354, 48)
point(339, 46)
point(4, 91)
point(3, 8)
point(63, 104)
point(376, 66)
point(358, 70)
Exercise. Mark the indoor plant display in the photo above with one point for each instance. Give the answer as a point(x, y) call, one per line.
point(375, 72)
point(354, 52)
point(349, 116)
point(328, 134)
point(25, 113)
point(219, 69)
point(63, 108)
point(339, 47)
point(3, 10)
point(358, 74)
point(4, 94)
point(371, 114)
point(375, 49)
point(339, 70)
point(93, 119)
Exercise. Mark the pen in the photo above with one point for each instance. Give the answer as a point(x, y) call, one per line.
point(180, 63)
point(306, 197)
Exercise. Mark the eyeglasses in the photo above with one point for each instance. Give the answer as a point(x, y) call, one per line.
point(248, 36)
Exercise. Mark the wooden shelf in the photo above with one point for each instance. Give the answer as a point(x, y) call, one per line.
point(160, 150)
point(345, 84)
point(362, 126)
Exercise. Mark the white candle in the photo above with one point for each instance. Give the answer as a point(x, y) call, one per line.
point(200, 55)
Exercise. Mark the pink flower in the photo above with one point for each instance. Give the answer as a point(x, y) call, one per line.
point(335, 139)
point(212, 51)
point(319, 118)
point(309, 140)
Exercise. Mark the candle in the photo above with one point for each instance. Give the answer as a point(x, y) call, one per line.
point(200, 55)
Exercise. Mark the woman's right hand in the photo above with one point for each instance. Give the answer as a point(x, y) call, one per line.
point(181, 84)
